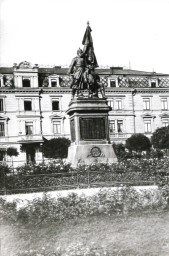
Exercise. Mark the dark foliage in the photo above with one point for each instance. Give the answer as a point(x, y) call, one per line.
point(119, 149)
point(160, 138)
point(56, 148)
point(45, 177)
point(138, 142)
point(58, 166)
point(11, 151)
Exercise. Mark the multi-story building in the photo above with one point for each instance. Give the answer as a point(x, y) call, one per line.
point(34, 100)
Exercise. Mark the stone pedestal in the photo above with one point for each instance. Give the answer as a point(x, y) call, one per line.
point(89, 132)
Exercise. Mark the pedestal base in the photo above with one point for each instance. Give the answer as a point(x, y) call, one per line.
point(91, 153)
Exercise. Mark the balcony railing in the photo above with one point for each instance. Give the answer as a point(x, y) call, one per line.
point(30, 138)
point(118, 135)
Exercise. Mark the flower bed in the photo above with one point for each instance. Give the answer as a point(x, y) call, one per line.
point(106, 201)
point(58, 175)
point(118, 204)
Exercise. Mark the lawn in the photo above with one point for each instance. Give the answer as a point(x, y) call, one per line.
point(124, 235)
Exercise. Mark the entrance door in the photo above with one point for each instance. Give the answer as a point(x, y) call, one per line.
point(30, 155)
point(2, 155)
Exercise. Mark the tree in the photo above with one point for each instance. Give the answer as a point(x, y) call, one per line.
point(160, 138)
point(138, 142)
point(11, 151)
point(56, 148)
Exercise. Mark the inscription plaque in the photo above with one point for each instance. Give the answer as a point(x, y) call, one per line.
point(92, 128)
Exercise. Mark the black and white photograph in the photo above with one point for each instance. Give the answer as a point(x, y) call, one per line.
point(84, 128)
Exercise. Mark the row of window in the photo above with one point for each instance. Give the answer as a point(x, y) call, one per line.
point(113, 103)
point(56, 127)
point(115, 126)
point(114, 83)
point(54, 82)
point(147, 103)
point(118, 104)
point(27, 83)
point(29, 128)
point(28, 105)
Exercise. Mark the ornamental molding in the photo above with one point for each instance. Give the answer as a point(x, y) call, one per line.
point(96, 152)
point(65, 90)
point(53, 76)
point(40, 91)
point(27, 96)
point(164, 115)
point(3, 117)
point(154, 90)
point(57, 91)
point(20, 90)
point(148, 115)
point(28, 116)
point(25, 65)
point(57, 116)
point(53, 96)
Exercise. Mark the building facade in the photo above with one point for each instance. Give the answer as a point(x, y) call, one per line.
point(34, 100)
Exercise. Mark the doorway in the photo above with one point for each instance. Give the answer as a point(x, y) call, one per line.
point(30, 155)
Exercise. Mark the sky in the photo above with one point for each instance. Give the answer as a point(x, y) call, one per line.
point(127, 33)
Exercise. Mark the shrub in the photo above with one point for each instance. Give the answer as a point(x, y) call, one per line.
point(119, 201)
point(138, 142)
point(56, 148)
point(57, 166)
point(59, 175)
point(155, 153)
point(160, 138)
point(4, 169)
point(11, 151)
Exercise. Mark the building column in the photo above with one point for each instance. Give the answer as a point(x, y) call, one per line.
point(35, 82)
point(2, 81)
point(32, 81)
point(20, 81)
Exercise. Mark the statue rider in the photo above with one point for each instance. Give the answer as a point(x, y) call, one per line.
point(76, 70)
point(82, 69)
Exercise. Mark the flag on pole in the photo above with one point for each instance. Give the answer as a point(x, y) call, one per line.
point(88, 46)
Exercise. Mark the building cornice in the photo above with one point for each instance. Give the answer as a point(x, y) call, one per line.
point(28, 116)
point(65, 90)
point(152, 90)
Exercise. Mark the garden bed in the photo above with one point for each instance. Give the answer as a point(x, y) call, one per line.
point(60, 176)
point(122, 221)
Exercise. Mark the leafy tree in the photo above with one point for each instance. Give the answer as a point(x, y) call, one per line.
point(56, 148)
point(138, 142)
point(160, 138)
point(11, 151)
